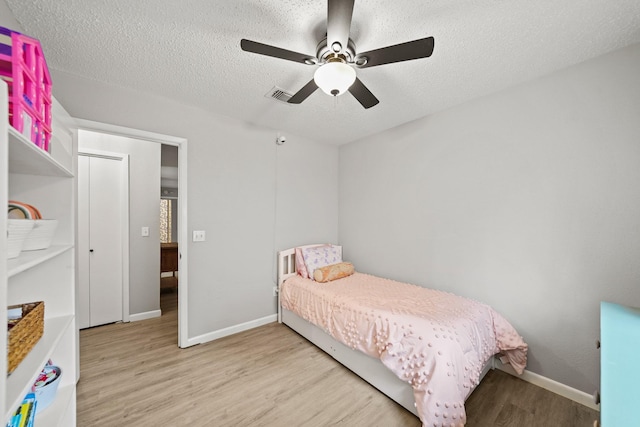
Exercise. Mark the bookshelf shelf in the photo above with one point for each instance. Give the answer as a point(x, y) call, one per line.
point(26, 158)
point(27, 260)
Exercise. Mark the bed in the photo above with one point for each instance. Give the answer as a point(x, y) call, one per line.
point(425, 349)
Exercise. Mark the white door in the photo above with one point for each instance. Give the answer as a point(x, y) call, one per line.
point(100, 256)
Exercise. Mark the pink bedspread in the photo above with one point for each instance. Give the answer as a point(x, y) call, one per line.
point(436, 341)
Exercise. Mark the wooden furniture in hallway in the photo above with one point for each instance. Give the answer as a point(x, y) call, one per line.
point(168, 264)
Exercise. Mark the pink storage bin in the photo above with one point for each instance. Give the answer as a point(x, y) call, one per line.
point(24, 68)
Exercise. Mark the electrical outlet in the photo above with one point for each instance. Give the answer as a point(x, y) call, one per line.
point(145, 232)
point(198, 236)
point(275, 291)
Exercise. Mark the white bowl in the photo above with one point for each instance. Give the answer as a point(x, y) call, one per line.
point(46, 394)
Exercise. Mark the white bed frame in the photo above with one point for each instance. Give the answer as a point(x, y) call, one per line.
point(366, 367)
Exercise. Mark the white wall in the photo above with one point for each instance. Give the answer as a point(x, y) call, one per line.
point(144, 211)
point(528, 200)
point(232, 195)
point(250, 196)
point(7, 19)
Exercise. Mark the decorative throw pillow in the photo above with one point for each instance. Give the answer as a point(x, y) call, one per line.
point(320, 256)
point(301, 268)
point(333, 272)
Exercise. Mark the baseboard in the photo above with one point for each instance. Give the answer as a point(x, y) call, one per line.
point(548, 384)
point(232, 330)
point(144, 316)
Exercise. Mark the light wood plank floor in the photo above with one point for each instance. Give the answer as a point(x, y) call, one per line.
point(134, 374)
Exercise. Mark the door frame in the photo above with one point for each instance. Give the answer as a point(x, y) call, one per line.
point(181, 143)
point(124, 211)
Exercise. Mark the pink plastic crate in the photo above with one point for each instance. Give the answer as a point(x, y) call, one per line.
point(24, 68)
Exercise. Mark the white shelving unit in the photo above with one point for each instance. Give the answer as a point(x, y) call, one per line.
point(46, 181)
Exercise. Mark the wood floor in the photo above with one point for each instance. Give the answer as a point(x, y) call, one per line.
point(134, 374)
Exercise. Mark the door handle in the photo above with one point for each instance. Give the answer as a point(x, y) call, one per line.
point(90, 250)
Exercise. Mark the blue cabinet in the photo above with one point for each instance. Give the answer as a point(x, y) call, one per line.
point(619, 365)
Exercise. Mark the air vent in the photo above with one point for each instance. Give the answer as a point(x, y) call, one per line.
point(279, 95)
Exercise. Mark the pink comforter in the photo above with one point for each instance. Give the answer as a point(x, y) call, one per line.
point(436, 341)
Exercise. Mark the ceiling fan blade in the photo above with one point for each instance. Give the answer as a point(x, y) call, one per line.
point(421, 48)
point(276, 52)
point(362, 94)
point(339, 23)
point(303, 93)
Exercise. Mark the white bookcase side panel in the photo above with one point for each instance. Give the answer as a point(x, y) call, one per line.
point(47, 182)
point(4, 170)
point(61, 144)
point(62, 411)
point(65, 353)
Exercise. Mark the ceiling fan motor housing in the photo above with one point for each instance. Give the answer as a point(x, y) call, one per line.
point(324, 52)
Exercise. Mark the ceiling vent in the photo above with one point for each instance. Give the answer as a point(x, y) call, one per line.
point(279, 95)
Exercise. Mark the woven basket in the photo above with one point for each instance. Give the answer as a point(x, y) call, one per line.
point(25, 333)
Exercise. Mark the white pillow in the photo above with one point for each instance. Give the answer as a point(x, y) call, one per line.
point(321, 256)
point(300, 265)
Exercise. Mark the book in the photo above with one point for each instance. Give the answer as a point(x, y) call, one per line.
point(25, 413)
point(30, 412)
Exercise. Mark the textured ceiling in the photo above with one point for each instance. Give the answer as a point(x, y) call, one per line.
point(189, 50)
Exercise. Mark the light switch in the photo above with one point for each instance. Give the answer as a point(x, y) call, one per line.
point(145, 232)
point(198, 236)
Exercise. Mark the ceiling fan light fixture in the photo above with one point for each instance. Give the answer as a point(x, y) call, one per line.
point(334, 78)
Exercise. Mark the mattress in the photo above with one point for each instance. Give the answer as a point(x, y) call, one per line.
point(436, 341)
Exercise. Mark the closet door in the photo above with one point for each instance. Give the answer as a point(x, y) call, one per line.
point(101, 276)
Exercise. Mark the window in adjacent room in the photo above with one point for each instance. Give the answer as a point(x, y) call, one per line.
point(165, 220)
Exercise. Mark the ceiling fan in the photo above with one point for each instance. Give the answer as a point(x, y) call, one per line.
point(337, 57)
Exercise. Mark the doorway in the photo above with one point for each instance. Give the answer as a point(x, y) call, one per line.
point(169, 249)
point(180, 145)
